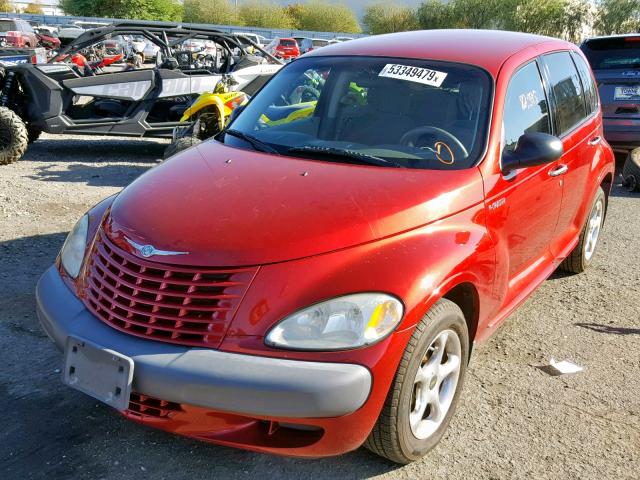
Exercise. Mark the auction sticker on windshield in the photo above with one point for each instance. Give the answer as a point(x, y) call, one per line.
point(627, 93)
point(413, 74)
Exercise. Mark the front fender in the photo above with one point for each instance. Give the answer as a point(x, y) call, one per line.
point(203, 101)
point(418, 267)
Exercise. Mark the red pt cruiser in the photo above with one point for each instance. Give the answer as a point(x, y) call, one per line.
point(307, 285)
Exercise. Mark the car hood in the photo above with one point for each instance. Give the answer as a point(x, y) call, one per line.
point(233, 207)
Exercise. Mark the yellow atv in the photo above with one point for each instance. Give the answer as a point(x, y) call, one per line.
point(207, 116)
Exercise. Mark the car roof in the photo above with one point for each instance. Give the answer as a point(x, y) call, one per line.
point(485, 48)
point(604, 37)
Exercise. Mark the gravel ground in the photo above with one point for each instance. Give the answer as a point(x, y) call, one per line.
point(514, 420)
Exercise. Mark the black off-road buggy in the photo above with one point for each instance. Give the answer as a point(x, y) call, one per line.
point(122, 99)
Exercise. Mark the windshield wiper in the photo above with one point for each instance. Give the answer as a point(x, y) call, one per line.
point(255, 142)
point(347, 154)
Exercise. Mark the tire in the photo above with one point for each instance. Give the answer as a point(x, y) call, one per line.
point(33, 133)
point(582, 256)
point(631, 171)
point(395, 436)
point(179, 145)
point(14, 138)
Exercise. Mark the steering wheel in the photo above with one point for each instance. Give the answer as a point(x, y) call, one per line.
point(410, 138)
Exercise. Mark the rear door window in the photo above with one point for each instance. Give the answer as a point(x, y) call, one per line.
point(526, 107)
point(566, 88)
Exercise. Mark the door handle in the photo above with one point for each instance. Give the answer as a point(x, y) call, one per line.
point(559, 170)
point(595, 140)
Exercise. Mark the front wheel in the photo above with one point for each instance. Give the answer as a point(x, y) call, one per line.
point(14, 138)
point(179, 145)
point(426, 388)
point(581, 257)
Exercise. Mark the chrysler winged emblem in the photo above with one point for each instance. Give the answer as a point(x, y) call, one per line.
point(149, 250)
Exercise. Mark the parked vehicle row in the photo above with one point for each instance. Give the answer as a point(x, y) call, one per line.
point(615, 61)
point(314, 278)
point(17, 33)
point(83, 88)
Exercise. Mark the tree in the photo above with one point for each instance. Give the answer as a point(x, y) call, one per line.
point(493, 14)
point(167, 10)
point(5, 6)
point(33, 8)
point(218, 12)
point(388, 18)
point(617, 16)
point(434, 14)
point(555, 18)
point(261, 13)
point(322, 16)
point(294, 10)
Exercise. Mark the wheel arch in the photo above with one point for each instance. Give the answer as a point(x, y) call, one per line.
point(606, 184)
point(465, 295)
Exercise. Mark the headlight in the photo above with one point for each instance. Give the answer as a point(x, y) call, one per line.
point(341, 323)
point(74, 246)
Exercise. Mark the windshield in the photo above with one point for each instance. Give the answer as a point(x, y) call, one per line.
point(613, 53)
point(382, 111)
point(288, 43)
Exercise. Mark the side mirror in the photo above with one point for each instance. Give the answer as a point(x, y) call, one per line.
point(532, 149)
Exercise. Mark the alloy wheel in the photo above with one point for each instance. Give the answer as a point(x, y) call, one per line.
point(593, 229)
point(435, 384)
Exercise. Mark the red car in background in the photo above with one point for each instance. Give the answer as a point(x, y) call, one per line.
point(285, 48)
point(310, 285)
point(18, 33)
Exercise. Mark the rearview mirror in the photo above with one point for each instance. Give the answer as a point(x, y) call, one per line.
point(531, 150)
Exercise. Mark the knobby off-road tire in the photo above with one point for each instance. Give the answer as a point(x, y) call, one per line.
point(631, 171)
point(396, 433)
point(179, 145)
point(14, 138)
point(582, 256)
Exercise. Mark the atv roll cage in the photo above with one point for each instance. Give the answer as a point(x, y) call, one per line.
point(165, 35)
point(74, 93)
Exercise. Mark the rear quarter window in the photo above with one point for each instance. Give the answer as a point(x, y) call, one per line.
point(568, 98)
point(590, 89)
point(7, 26)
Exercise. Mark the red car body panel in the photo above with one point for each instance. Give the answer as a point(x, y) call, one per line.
point(417, 234)
point(229, 199)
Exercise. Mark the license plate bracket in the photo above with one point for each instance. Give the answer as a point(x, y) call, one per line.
point(631, 92)
point(97, 371)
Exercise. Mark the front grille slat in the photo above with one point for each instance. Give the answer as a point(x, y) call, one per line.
point(175, 304)
point(140, 278)
point(116, 292)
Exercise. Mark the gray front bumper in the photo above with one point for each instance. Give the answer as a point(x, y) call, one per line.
point(228, 382)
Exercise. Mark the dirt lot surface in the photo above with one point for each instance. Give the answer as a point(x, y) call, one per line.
point(514, 421)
